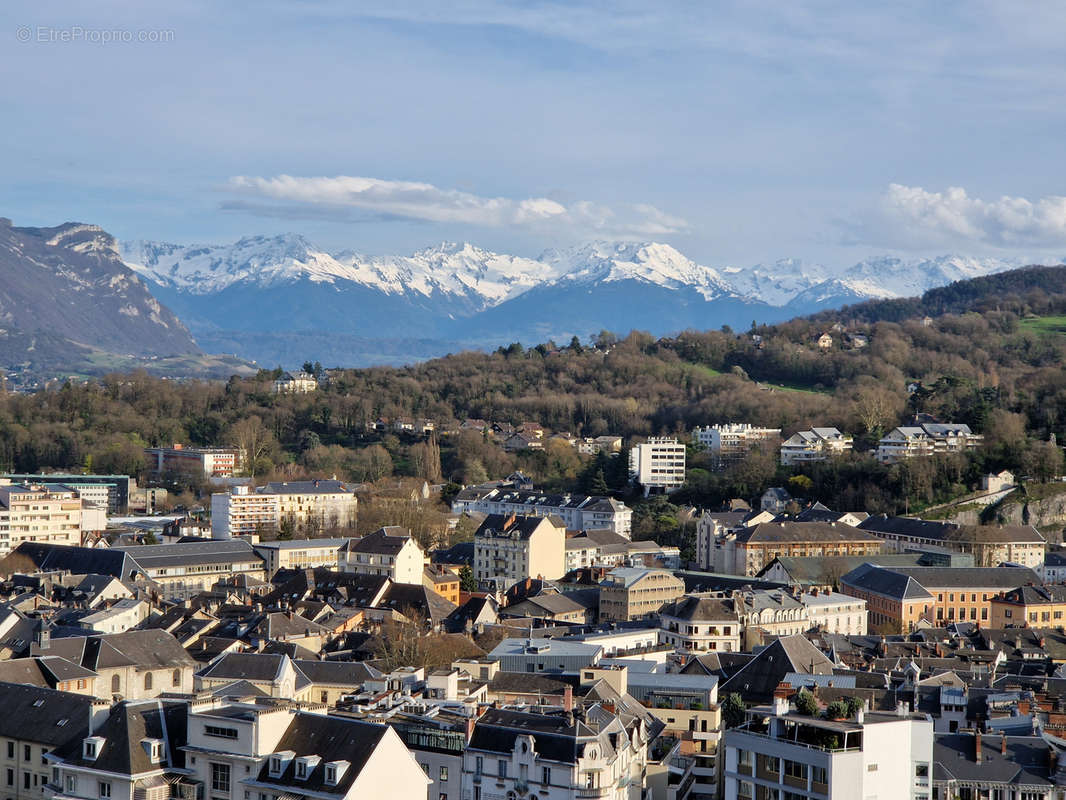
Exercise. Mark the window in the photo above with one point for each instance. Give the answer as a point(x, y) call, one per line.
point(105, 790)
point(444, 773)
point(25, 780)
point(819, 775)
point(425, 768)
point(221, 733)
point(275, 766)
point(27, 754)
point(147, 681)
point(501, 768)
point(546, 775)
point(72, 784)
point(175, 679)
point(478, 765)
point(116, 684)
point(219, 777)
point(11, 777)
point(921, 770)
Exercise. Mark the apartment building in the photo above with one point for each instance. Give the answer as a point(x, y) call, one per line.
point(185, 569)
point(988, 544)
point(1029, 606)
point(730, 442)
point(600, 755)
point(901, 596)
point(111, 492)
point(924, 440)
point(512, 548)
point(700, 623)
point(749, 549)
point(390, 551)
point(307, 508)
point(240, 512)
point(630, 593)
point(37, 513)
point(817, 444)
point(603, 548)
point(780, 753)
point(210, 462)
point(578, 512)
point(835, 612)
point(769, 614)
point(658, 464)
point(301, 553)
point(295, 383)
point(35, 722)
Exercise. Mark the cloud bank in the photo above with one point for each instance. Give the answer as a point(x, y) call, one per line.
point(914, 216)
point(339, 196)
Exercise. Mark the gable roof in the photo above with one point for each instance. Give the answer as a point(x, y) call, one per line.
point(126, 726)
point(141, 649)
point(42, 715)
point(757, 679)
point(332, 738)
point(803, 532)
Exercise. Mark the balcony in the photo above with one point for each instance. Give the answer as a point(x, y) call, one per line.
point(593, 793)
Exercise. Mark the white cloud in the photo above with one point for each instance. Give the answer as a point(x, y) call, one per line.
point(339, 196)
point(910, 216)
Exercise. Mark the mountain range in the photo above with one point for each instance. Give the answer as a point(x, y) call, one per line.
point(262, 296)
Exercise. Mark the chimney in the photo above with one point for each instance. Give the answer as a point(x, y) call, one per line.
point(977, 745)
point(1003, 744)
point(568, 700)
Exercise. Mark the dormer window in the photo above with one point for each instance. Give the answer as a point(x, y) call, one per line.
point(305, 765)
point(279, 762)
point(335, 772)
point(91, 747)
point(154, 749)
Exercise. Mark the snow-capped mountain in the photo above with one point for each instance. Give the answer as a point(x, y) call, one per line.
point(651, 263)
point(449, 269)
point(462, 295)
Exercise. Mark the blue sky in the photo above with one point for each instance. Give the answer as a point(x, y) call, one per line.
point(738, 132)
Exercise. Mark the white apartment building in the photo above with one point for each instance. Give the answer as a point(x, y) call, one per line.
point(512, 548)
point(240, 512)
point(658, 464)
point(219, 462)
point(389, 551)
point(34, 513)
point(311, 507)
point(701, 623)
point(578, 512)
point(834, 612)
point(295, 383)
point(301, 553)
point(515, 754)
point(731, 442)
point(817, 444)
point(782, 754)
point(918, 441)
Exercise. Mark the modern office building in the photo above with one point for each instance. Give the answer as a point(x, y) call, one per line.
point(658, 464)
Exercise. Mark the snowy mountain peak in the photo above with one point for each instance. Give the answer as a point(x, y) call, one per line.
point(646, 262)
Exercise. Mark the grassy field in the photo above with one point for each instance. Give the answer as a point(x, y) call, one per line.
point(1056, 325)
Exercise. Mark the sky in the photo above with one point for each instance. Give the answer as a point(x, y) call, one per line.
point(740, 133)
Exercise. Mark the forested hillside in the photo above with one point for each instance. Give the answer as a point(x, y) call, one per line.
point(998, 369)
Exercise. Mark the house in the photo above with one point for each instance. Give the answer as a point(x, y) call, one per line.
point(997, 482)
point(630, 593)
point(834, 612)
point(295, 383)
point(390, 551)
point(700, 623)
point(874, 754)
point(775, 500)
point(301, 553)
point(120, 616)
point(1029, 606)
point(513, 547)
point(133, 665)
point(817, 444)
point(824, 342)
